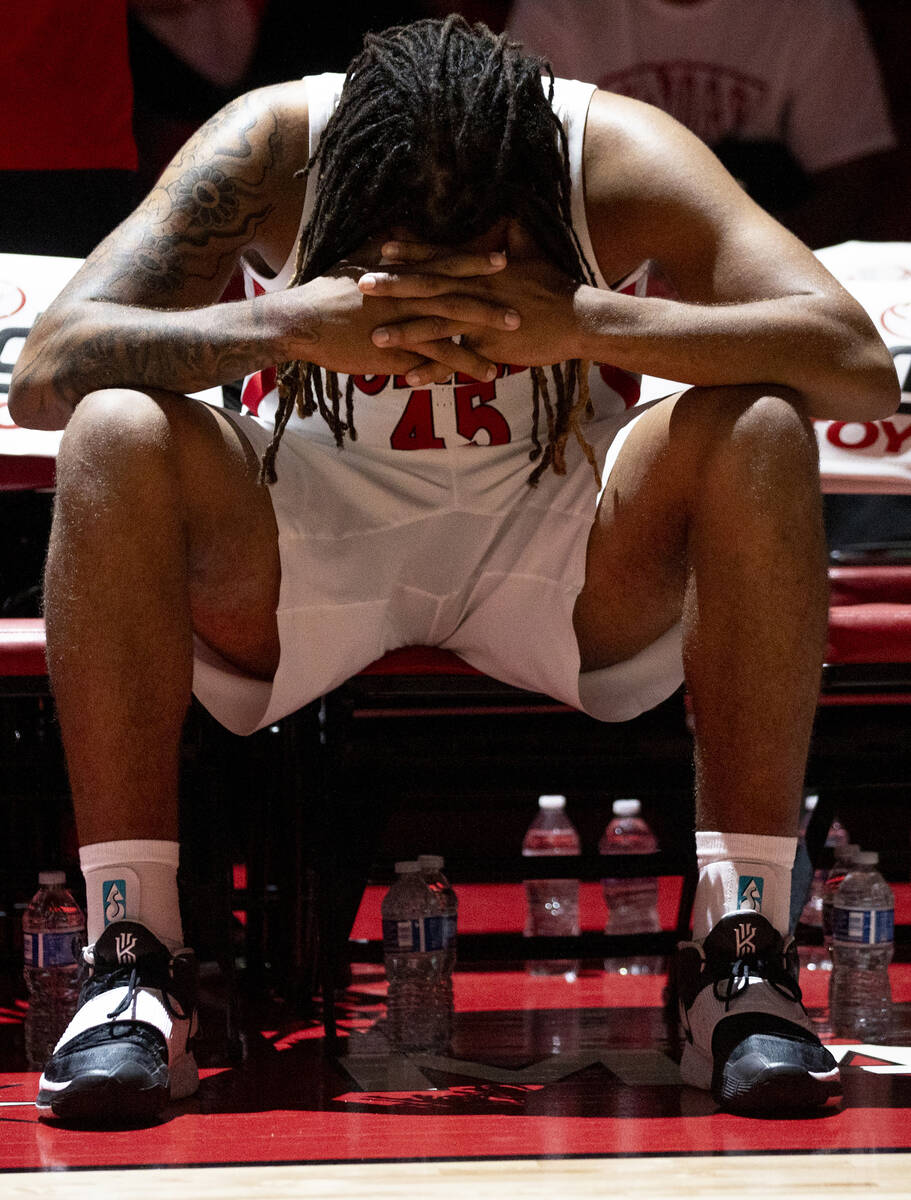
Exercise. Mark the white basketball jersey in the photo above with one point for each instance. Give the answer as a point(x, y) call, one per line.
point(388, 413)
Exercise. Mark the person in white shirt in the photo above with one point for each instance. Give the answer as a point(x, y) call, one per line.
point(788, 94)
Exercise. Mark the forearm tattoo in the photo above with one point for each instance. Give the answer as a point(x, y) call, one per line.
point(206, 208)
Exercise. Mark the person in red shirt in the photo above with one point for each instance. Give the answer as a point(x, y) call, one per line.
point(68, 157)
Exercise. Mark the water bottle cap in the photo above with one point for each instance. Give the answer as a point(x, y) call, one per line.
point(866, 858)
point(810, 802)
point(431, 862)
point(848, 852)
point(408, 867)
point(627, 808)
point(551, 802)
point(51, 878)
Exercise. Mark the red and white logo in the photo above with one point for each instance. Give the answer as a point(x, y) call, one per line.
point(897, 319)
point(12, 299)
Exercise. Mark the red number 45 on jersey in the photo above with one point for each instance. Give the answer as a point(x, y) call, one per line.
point(474, 411)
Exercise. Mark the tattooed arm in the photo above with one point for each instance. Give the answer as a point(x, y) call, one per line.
point(143, 310)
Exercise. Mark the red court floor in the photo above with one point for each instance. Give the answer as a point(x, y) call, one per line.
point(538, 1068)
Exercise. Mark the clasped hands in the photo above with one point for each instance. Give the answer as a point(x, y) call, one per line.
point(434, 310)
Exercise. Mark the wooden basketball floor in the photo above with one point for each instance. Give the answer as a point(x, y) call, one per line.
point(551, 1088)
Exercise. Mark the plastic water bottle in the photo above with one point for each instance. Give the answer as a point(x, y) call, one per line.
point(837, 836)
point(53, 928)
point(863, 918)
point(844, 859)
point(418, 939)
point(432, 870)
point(551, 905)
point(632, 904)
point(448, 906)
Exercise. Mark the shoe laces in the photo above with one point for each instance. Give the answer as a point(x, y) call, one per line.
point(150, 972)
point(770, 969)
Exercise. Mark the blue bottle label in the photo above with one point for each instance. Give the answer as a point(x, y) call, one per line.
point(422, 933)
point(863, 926)
point(53, 949)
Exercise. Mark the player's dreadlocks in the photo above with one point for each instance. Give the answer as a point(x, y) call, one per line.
point(446, 129)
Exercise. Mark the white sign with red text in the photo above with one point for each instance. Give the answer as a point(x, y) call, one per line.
point(873, 456)
point(28, 283)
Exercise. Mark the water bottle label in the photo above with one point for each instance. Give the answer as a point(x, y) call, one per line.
point(423, 933)
point(863, 926)
point(53, 949)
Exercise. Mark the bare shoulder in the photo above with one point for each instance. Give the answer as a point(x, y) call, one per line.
point(232, 190)
point(642, 170)
point(655, 191)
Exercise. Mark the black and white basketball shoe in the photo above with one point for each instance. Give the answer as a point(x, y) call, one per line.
point(127, 1050)
point(748, 1038)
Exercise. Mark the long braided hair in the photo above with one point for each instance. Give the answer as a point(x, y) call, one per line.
point(445, 128)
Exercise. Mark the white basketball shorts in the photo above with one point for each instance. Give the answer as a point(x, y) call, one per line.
point(383, 548)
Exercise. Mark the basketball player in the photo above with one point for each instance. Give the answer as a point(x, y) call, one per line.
point(407, 230)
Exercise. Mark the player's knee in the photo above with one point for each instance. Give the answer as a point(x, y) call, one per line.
point(765, 427)
point(114, 435)
point(773, 416)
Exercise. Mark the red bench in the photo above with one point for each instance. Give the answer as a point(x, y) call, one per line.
point(21, 651)
point(869, 622)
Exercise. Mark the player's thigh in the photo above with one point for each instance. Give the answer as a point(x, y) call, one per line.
point(143, 447)
point(637, 564)
point(232, 541)
point(636, 561)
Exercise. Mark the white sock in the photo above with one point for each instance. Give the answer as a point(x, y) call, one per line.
point(134, 881)
point(743, 870)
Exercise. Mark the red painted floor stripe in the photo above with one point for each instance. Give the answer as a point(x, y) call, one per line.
point(538, 1067)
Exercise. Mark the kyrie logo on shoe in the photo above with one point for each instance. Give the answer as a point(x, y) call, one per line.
point(745, 936)
point(749, 892)
point(125, 945)
point(114, 899)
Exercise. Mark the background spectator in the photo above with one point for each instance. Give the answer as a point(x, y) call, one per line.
point(890, 28)
point(789, 95)
point(67, 157)
point(188, 59)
